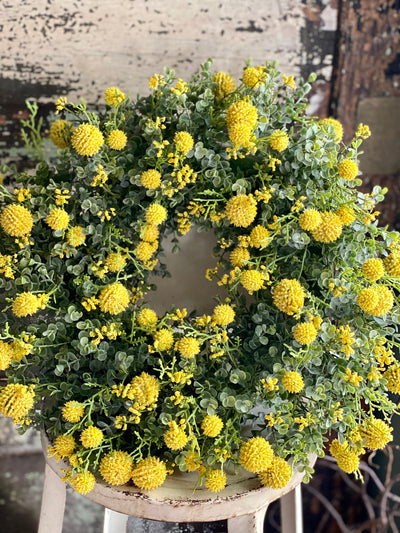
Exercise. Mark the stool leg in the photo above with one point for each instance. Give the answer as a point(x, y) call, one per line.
point(114, 522)
point(249, 523)
point(292, 512)
point(53, 503)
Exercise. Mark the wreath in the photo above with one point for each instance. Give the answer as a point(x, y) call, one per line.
point(300, 348)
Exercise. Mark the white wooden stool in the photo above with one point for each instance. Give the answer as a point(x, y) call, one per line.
point(243, 503)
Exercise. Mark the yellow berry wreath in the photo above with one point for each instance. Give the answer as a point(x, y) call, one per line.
point(303, 338)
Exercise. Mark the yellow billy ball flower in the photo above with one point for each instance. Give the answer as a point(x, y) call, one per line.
point(192, 461)
point(376, 433)
point(277, 475)
point(288, 296)
point(347, 169)
point(114, 298)
point(87, 139)
point(16, 401)
point(329, 229)
point(188, 347)
point(116, 468)
point(259, 237)
point(348, 461)
point(19, 349)
point(293, 381)
point(115, 261)
point(149, 473)
point(183, 142)
point(338, 128)
point(91, 437)
point(212, 425)
point(113, 96)
point(377, 301)
point(145, 250)
point(310, 219)
point(392, 264)
point(72, 411)
point(241, 210)
point(149, 233)
point(16, 220)
point(223, 314)
point(175, 437)
point(392, 375)
point(144, 391)
point(83, 482)
point(150, 179)
point(373, 269)
point(60, 133)
point(58, 219)
point(278, 140)
point(367, 299)
point(256, 455)
point(6, 355)
point(253, 77)
point(64, 446)
point(252, 280)
point(225, 84)
point(215, 481)
point(336, 448)
point(156, 214)
point(147, 318)
point(305, 333)
point(117, 140)
point(239, 256)
point(75, 236)
point(242, 113)
point(346, 215)
point(163, 339)
point(25, 304)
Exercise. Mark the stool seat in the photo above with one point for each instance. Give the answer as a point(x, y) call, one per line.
point(243, 499)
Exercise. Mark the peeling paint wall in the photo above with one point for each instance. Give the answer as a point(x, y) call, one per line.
point(77, 49)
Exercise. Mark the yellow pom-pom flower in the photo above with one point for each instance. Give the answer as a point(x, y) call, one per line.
point(376, 433)
point(60, 133)
point(288, 296)
point(310, 219)
point(253, 77)
point(16, 220)
point(117, 140)
point(16, 401)
point(58, 219)
point(252, 280)
point(175, 437)
point(392, 264)
point(225, 84)
point(329, 229)
point(75, 236)
point(256, 454)
point(338, 128)
point(6, 355)
point(143, 390)
point(259, 237)
point(25, 304)
point(305, 333)
point(91, 437)
point(113, 96)
point(346, 215)
point(278, 140)
point(377, 301)
point(293, 381)
point(239, 256)
point(212, 425)
point(83, 482)
point(241, 119)
point(87, 139)
point(192, 461)
point(156, 214)
point(147, 318)
point(150, 179)
point(115, 261)
point(392, 375)
point(215, 481)
point(63, 446)
point(367, 299)
point(277, 475)
point(347, 169)
point(116, 468)
point(145, 250)
point(188, 347)
point(223, 314)
point(348, 461)
point(149, 233)
point(163, 339)
point(183, 142)
point(114, 298)
point(241, 210)
point(373, 269)
point(149, 473)
point(72, 411)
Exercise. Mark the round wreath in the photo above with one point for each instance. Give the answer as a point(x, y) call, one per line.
point(300, 349)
